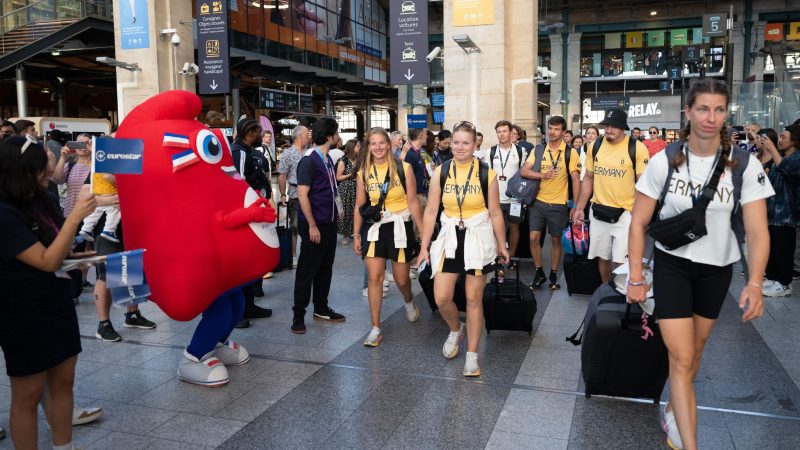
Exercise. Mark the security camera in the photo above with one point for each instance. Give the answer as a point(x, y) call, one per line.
point(189, 69)
point(433, 54)
point(176, 40)
point(544, 72)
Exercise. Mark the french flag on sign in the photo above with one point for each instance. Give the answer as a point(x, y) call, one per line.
point(183, 160)
point(176, 140)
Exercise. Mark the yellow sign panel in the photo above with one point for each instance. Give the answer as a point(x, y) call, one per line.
point(212, 48)
point(473, 12)
point(794, 32)
point(204, 9)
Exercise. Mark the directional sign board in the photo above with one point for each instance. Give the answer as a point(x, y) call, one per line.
point(417, 121)
point(408, 30)
point(605, 102)
point(212, 46)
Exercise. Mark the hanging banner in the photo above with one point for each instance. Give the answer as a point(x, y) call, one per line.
point(773, 32)
point(655, 38)
point(633, 39)
point(679, 36)
point(473, 12)
point(134, 24)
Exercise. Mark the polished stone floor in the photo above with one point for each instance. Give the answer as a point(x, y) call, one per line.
point(324, 389)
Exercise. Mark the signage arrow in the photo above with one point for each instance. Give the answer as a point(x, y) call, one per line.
point(213, 85)
point(409, 75)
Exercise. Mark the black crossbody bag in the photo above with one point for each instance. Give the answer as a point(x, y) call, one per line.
point(370, 213)
point(690, 225)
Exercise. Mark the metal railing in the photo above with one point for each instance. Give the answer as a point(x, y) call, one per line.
point(43, 11)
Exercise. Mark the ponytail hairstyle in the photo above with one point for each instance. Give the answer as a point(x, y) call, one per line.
point(367, 161)
point(707, 86)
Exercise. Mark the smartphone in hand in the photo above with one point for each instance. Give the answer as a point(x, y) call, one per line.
point(76, 145)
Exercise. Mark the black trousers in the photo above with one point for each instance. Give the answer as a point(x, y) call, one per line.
point(314, 267)
point(781, 254)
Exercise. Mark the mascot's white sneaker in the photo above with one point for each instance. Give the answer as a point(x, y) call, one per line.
point(207, 371)
point(231, 353)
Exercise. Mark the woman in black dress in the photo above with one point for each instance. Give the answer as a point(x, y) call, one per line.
point(346, 176)
point(38, 324)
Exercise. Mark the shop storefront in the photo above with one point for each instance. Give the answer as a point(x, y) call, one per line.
point(662, 111)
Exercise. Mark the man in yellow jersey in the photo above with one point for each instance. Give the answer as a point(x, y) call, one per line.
point(558, 169)
point(611, 176)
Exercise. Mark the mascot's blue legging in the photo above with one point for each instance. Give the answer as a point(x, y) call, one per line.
point(217, 322)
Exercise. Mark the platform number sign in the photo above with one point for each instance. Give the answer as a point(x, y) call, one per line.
point(715, 24)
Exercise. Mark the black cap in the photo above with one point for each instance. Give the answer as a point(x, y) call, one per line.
point(617, 118)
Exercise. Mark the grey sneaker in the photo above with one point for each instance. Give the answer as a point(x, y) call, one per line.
point(207, 371)
point(231, 353)
point(106, 332)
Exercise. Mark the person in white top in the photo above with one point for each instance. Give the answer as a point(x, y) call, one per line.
point(506, 158)
point(690, 282)
point(480, 153)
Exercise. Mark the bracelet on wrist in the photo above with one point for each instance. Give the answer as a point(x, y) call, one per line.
point(636, 283)
point(753, 283)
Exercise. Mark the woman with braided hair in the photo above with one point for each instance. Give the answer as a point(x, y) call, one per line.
point(691, 281)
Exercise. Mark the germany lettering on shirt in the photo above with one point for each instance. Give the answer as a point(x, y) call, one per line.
point(680, 187)
point(458, 190)
point(608, 172)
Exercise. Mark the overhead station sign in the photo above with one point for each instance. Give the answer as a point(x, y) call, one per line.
point(408, 32)
point(212, 46)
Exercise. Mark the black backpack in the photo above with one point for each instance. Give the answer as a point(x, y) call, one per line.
point(493, 151)
point(483, 176)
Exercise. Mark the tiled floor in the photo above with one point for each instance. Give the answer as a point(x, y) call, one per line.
point(324, 389)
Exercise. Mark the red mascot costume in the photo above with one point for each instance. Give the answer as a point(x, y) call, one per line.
point(206, 232)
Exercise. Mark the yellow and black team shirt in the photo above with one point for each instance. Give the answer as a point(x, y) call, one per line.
point(396, 200)
point(472, 203)
point(614, 181)
point(555, 191)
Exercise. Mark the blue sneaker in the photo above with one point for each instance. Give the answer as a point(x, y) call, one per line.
point(109, 236)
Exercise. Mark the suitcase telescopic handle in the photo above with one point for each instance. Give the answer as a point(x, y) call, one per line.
point(512, 263)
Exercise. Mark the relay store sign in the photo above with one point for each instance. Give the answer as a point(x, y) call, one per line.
point(650, 109)
point(654, 110)
point(212, 46)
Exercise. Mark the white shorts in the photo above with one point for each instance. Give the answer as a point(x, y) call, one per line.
point(609, 241)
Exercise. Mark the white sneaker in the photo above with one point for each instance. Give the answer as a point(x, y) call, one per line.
point(670, 426)
point(450, 347)
point(388, 277)
point(294, 262)
point(82, 416)
point(365, 292)
point(767, 283)
point(207, 371)
point(231, 353)
point(412, 312)
point(412, 274)
point(385, 284)
point(471, 368)
point(374, 338)
point(777, 290)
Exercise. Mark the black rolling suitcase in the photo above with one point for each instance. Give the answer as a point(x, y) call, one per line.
point(509, 305)
point(459, 294)
point(623, 354)
point(582, 274)
point(285, 240)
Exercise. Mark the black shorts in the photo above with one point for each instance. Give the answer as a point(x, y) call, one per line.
point(683, 288)
point(105, 247)
point(384, 246)
point(456, 265)
point(554, 217)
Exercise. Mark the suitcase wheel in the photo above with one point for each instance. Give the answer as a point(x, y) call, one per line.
point(587, 395)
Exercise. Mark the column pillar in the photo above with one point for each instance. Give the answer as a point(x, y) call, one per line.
point(367, 112)
point(60, 91)
point(236, 100)
point(329, 102)
point(557, 65)
point(574, 81)
point(22, 91)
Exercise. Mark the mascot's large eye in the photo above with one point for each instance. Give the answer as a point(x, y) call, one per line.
point(208, 147)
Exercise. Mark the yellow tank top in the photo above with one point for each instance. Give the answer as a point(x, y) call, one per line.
point(396, 200)
point(103, 186)
point(472, 202)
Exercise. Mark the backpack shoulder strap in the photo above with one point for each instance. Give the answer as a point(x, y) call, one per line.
point(483, 176)
point(492, 152)
point(632, 154)
point(672, 151)
point(519, 155)
point(401, 173)
point(538, 155)
point(596, 147)
point(742, 158)
point(444, 172)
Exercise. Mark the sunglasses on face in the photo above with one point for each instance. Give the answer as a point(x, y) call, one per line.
point(653, 132)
